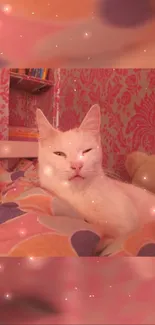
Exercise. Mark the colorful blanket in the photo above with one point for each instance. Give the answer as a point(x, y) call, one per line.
point(29, 224)
point(32, 222)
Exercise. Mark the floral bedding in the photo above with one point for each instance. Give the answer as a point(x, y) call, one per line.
point(31, 225)
point(28, 224)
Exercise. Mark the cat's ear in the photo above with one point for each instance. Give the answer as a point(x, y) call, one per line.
point(44, 127)
point(92, 120)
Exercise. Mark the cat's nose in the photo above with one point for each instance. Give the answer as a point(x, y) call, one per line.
point(77, 165)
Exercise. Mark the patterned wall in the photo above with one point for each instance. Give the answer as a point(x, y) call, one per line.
point(127, 100)
point(22, 106)
point(126, 97)
point(4, 103)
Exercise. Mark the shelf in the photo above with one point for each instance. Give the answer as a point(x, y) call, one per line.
point(28, 83)
point(18, 149)
point(17, 133)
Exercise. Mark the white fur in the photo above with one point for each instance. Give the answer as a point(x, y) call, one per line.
point(119, 208)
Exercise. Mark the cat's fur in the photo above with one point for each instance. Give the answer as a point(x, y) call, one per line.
point(117, 207)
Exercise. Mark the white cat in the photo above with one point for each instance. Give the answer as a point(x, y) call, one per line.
point(70, 165)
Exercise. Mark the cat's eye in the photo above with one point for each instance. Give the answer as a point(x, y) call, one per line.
point(87, 150)
point(60, 153)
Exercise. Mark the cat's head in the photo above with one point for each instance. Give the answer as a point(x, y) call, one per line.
point(74, 156)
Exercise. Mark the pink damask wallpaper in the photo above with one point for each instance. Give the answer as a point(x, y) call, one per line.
point(4, 103)
point(126, 97)
point(22, 105)
point(127, 101)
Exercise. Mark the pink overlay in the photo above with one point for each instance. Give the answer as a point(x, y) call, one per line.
point(91, 290)
point(126, 97)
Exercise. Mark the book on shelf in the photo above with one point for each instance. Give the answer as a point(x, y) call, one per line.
point(20, 71)
point(14, 70)
point(37, 73)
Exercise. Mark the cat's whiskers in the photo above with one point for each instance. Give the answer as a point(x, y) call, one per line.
point(110, 173)
point(61, 172)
